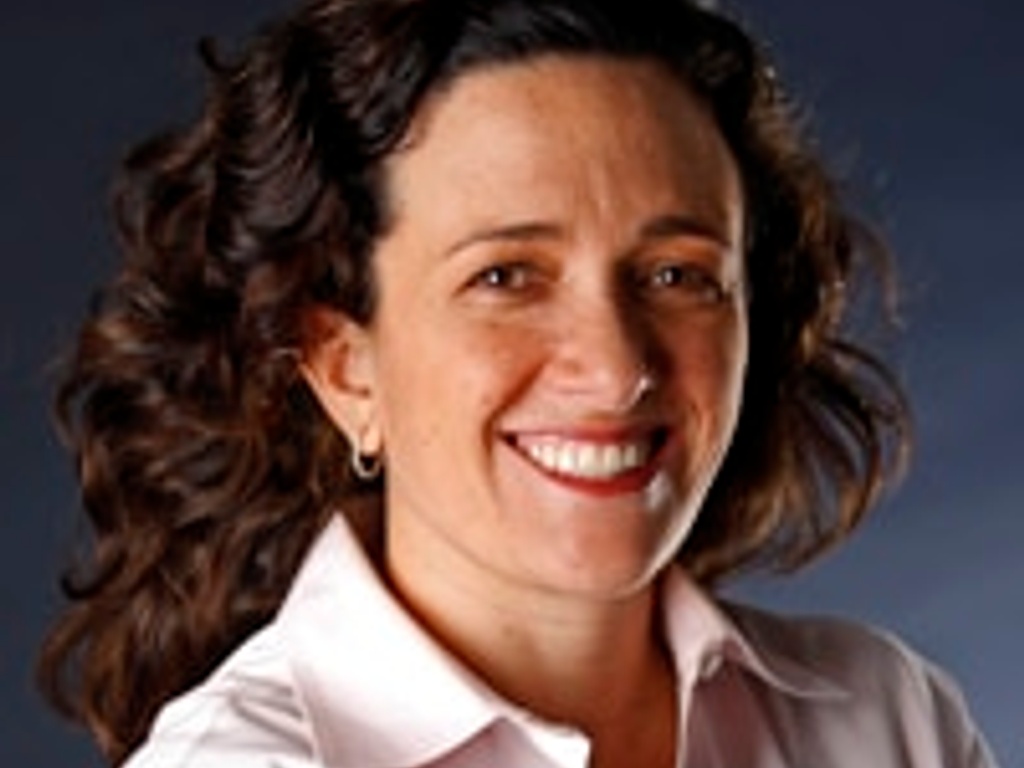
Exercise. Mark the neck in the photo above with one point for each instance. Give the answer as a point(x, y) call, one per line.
point(599, 665)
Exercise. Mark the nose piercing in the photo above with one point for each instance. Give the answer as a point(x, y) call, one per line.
point(644, 385)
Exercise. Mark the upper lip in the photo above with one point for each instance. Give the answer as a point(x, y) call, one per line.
point(591, 432)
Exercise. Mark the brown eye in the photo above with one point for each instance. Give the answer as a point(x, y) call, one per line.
point(689, 282)
point(502, 276)
point(513, 278)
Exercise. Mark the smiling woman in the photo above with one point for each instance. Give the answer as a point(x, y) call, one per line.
point(460, 350)
point(571, 166)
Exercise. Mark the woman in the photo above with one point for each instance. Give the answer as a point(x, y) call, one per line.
point(460, 349)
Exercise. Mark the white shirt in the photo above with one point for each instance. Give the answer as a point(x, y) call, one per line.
point(343, 677)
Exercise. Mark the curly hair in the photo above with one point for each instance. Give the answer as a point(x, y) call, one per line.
point(205, 465)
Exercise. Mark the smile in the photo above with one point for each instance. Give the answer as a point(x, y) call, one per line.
point(590, 460)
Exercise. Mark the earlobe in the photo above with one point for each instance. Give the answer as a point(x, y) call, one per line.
point(337, 364)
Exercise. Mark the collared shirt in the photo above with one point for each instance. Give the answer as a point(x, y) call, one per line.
point(344, 677)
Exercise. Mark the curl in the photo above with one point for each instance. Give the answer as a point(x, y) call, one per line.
point(206, 467)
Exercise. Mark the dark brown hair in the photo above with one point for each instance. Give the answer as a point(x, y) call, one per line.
point(206, 467)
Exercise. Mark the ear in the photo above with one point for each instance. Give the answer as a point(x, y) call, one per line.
point(338, 365)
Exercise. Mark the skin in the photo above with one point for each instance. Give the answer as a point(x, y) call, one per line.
point(591, 238)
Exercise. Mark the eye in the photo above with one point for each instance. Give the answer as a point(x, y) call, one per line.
point(511, 277)
point(692, 284)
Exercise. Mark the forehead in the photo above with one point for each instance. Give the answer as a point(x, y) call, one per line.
point(557, 129)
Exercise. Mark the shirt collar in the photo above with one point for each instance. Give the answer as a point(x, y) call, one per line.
point(366, 671)
point(380, 692)
point(704, 634)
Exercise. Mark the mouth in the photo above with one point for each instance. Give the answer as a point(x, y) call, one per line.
point(617, 462)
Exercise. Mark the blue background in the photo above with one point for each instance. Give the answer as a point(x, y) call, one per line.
point(918, 104)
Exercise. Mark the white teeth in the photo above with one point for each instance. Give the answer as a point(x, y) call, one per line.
point(592, 461)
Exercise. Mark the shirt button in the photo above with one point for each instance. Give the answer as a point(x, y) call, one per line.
point(710, 665)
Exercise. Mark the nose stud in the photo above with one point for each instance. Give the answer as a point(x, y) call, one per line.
point(644, 385)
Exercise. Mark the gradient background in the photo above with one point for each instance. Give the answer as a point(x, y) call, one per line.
point(919, 104)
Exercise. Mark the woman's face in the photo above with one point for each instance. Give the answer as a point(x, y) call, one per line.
point(562, 230)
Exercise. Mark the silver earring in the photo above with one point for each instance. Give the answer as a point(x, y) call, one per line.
point(365, 466)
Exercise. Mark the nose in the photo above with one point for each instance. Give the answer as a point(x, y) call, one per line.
point(607, 355)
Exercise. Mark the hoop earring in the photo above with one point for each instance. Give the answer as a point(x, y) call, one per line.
point(365, 466)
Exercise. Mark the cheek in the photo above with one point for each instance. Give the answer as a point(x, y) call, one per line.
point(731, 370)
point(454, 381)
point(709, 368)
point(715, 349)
point(494, 381)
point(731, 360)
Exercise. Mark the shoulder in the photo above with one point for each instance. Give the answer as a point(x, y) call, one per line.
point(857, 657)
point(890, 688)
point(246, 715)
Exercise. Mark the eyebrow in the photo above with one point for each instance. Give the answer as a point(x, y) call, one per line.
point(519, 232)
point(659, 228)
point(683, 225)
